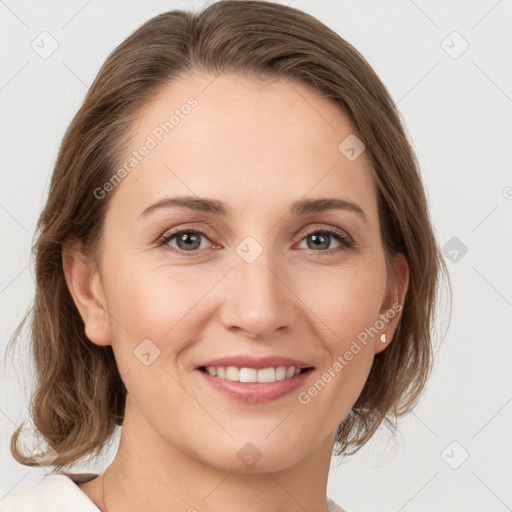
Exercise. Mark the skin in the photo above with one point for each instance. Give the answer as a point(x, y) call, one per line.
point(257, 147)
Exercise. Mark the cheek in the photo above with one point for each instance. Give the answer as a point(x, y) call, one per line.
point(345, 301)
point(151, 298)
point(144, 302)
point(152, 324)
point(346, 305)
point(155, 304)
point(144, 290)
point(172, 305)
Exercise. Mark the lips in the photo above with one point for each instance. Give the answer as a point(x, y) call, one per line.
point(255, 379)
point(256, 392)
point(257, 363)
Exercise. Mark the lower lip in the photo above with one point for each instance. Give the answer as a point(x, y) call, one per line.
point(255, 392)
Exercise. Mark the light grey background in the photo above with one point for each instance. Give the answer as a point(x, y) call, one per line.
point(458, 112)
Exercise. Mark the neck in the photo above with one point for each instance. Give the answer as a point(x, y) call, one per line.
point(151, 473)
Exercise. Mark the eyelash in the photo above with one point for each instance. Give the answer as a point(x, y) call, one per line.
point(345, 241)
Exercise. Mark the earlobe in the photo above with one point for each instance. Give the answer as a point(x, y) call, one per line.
point(85, 286)
point(391, 310)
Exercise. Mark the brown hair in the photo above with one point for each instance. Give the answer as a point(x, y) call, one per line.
point(80, 396)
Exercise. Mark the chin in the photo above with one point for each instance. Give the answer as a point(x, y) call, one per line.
point(258, 457)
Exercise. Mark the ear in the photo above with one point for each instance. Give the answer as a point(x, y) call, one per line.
point(85, 286)
point(392, 306)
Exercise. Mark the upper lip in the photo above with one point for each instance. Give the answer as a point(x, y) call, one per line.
point(242, 361)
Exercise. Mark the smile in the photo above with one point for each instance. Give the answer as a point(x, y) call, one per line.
point(254, 386)
point(261, 375)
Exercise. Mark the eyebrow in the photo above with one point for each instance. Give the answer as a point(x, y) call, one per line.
point(213, 206)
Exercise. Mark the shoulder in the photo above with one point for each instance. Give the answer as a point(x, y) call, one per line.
point(333, 506)
point(56, 492)
point(59, 493)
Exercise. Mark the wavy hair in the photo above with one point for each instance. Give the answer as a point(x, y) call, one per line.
point(79, 396)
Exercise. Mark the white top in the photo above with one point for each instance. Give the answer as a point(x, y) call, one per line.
point(60, 493)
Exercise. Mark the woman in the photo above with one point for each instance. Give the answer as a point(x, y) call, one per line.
point(235, 262)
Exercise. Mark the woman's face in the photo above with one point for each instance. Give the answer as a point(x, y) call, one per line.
point(252, 274)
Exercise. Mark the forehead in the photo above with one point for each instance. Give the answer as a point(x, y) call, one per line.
point(251, 143)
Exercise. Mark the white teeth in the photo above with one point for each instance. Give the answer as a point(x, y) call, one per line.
point(232, 373)
point(267, 375)
point(248, 375)
point(281, 373)
point(235, 374)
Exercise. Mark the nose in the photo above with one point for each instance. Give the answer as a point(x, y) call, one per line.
point(258, 302)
